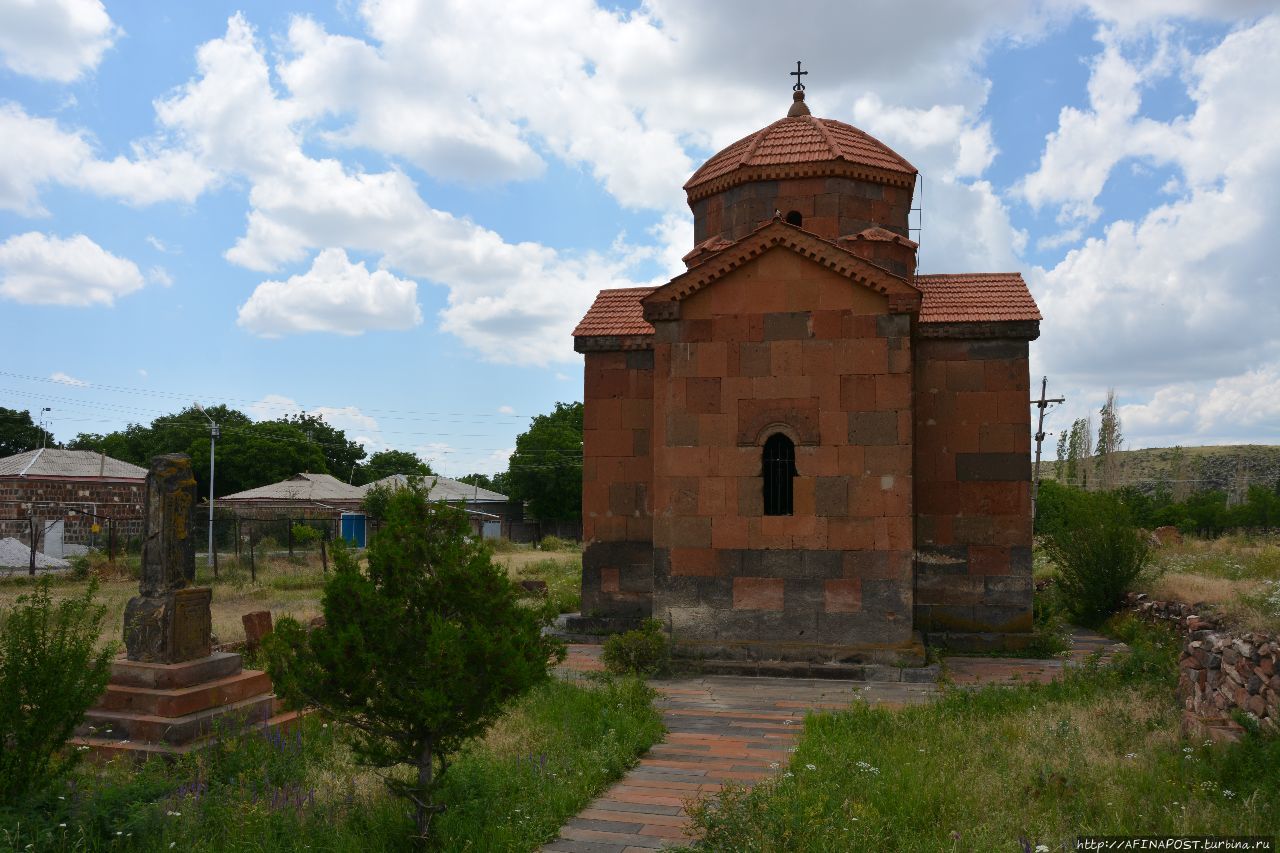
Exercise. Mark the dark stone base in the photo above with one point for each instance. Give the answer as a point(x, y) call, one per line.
point(576, 628)
point(169, 628)
point(754, 652)
point(979, 641)
point(799, 669)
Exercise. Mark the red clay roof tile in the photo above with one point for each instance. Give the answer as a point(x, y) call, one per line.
point(976, 298)
point(964, 298)
point(801, 139)
point(616, 312)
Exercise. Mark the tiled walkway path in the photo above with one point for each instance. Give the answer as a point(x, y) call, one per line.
point(741, 729)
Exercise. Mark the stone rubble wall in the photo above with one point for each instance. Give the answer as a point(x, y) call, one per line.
point(1219, 671)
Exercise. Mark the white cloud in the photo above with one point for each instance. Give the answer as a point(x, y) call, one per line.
point(54, 39)
point(358, 427)
point(335, 295)
point(59, 376)
point(159, 275)
point(506, 410)
point(1187, 292)
point(1241, 407)
point(37, 269)
point(142, 371)
point(38, 151)
point(156, 243)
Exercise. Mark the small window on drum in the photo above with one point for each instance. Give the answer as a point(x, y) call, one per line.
point(795, 218)
point(779, 474)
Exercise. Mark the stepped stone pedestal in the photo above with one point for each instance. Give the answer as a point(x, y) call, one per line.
point(171, 691)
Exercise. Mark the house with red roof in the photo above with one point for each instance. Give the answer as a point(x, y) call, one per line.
point(799, 448)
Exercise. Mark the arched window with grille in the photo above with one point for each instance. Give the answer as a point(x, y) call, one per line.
point(779, 468)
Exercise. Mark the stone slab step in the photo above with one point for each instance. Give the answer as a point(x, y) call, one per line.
point(802, 669)
point(151, 728)
point(173, 676)
point(180, 701)
point(101, 749)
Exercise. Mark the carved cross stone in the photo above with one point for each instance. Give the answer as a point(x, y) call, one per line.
point(169, 622)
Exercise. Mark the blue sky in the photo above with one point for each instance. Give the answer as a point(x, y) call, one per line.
point(393, 213)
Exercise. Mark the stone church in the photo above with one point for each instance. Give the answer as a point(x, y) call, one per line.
point(799, 449)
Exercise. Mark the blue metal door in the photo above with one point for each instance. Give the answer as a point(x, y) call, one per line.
point(353, 528)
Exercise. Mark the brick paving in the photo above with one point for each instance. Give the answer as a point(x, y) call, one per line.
point(718, 728)
point(742, 729)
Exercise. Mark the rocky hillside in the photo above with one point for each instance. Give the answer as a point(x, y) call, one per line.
point(1225, 468)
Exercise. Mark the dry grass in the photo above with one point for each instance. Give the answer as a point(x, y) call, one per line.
point(1234, 573)
point(286, 587)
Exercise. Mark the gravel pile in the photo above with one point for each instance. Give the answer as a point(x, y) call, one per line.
point(15, 555)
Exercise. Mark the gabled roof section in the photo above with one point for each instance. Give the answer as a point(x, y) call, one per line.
point(791, 146)
point(993, 297)
point(69, 464)
point(319, 488)
point(616, 312)
point(663, 303)
point(442, 488)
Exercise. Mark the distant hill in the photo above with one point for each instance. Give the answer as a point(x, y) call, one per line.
point(1188, 469)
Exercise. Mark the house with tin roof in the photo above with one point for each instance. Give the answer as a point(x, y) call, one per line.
point(800, 447)
point(76, 497)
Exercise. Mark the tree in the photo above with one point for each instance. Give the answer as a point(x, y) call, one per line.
point(497, 483)
point(50, 673)
point(1060, 467)
point(18, 433)
point(546, 467)
point(341, 454)
point(421, 652)
point(1110, 441)
point(384, 463)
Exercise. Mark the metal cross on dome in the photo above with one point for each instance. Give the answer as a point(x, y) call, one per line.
point(799, 86)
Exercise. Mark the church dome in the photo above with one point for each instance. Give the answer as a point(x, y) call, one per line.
point(800, 146)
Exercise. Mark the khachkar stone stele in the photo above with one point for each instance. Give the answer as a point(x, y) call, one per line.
point(168, 622)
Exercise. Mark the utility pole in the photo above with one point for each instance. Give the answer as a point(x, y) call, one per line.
point(43, 431)
point(1043, 403)
point(213, 446)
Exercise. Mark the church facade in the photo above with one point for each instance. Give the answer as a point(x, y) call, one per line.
point(798, 448)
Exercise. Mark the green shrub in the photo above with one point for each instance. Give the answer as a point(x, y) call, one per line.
point(555, 543)
point(304, 535)
point(418, 654)
point(50, 674)
point(644, 651)
point(1099, 554)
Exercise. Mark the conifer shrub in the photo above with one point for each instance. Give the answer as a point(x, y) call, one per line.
point(1099, 553)
point(50, 673)
point(420, 652)
point(644, 651)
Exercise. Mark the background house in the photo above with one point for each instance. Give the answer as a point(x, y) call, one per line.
point(68, 493)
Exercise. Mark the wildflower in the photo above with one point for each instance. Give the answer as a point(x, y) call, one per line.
point(787, 775)
point(62, 825)
point(1042, 848)
point(173, 814)
point(811, 767)
point(1229, 794)
point(773, 765)
point(119, 832)
point(1186, 749)
point(1131, 755)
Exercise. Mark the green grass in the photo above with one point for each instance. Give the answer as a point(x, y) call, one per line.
point(1006, 767)
point(539, 765)
point(563, 574)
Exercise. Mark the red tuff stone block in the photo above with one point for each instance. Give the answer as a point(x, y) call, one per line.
point(827, 324)
point(717, 495)
point(851, 460)
point(729, 532)
point(609, 583)
point(893, 391)
point(977, 407)
point(965, 376)
point(785, 358)
point(938, 498)
point(858, 393)
point(963, 437)
point(990, 498)
point(888, 459)
point(702, 395)
point(1001, 374)
point(802, 496)
point(842, 595)
point(758, 593)
point(1013, 407)
point(257, 625)
point(1004, 438)
point(851, 534)
point(818, 460)
point(893, 534)
point(639, 529)
point(695, 331)
point(693, 562)
point(818, 358)
point(862, 356)
point(988, 560)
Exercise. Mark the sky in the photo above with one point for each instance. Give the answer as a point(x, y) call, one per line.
point(393, 213)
